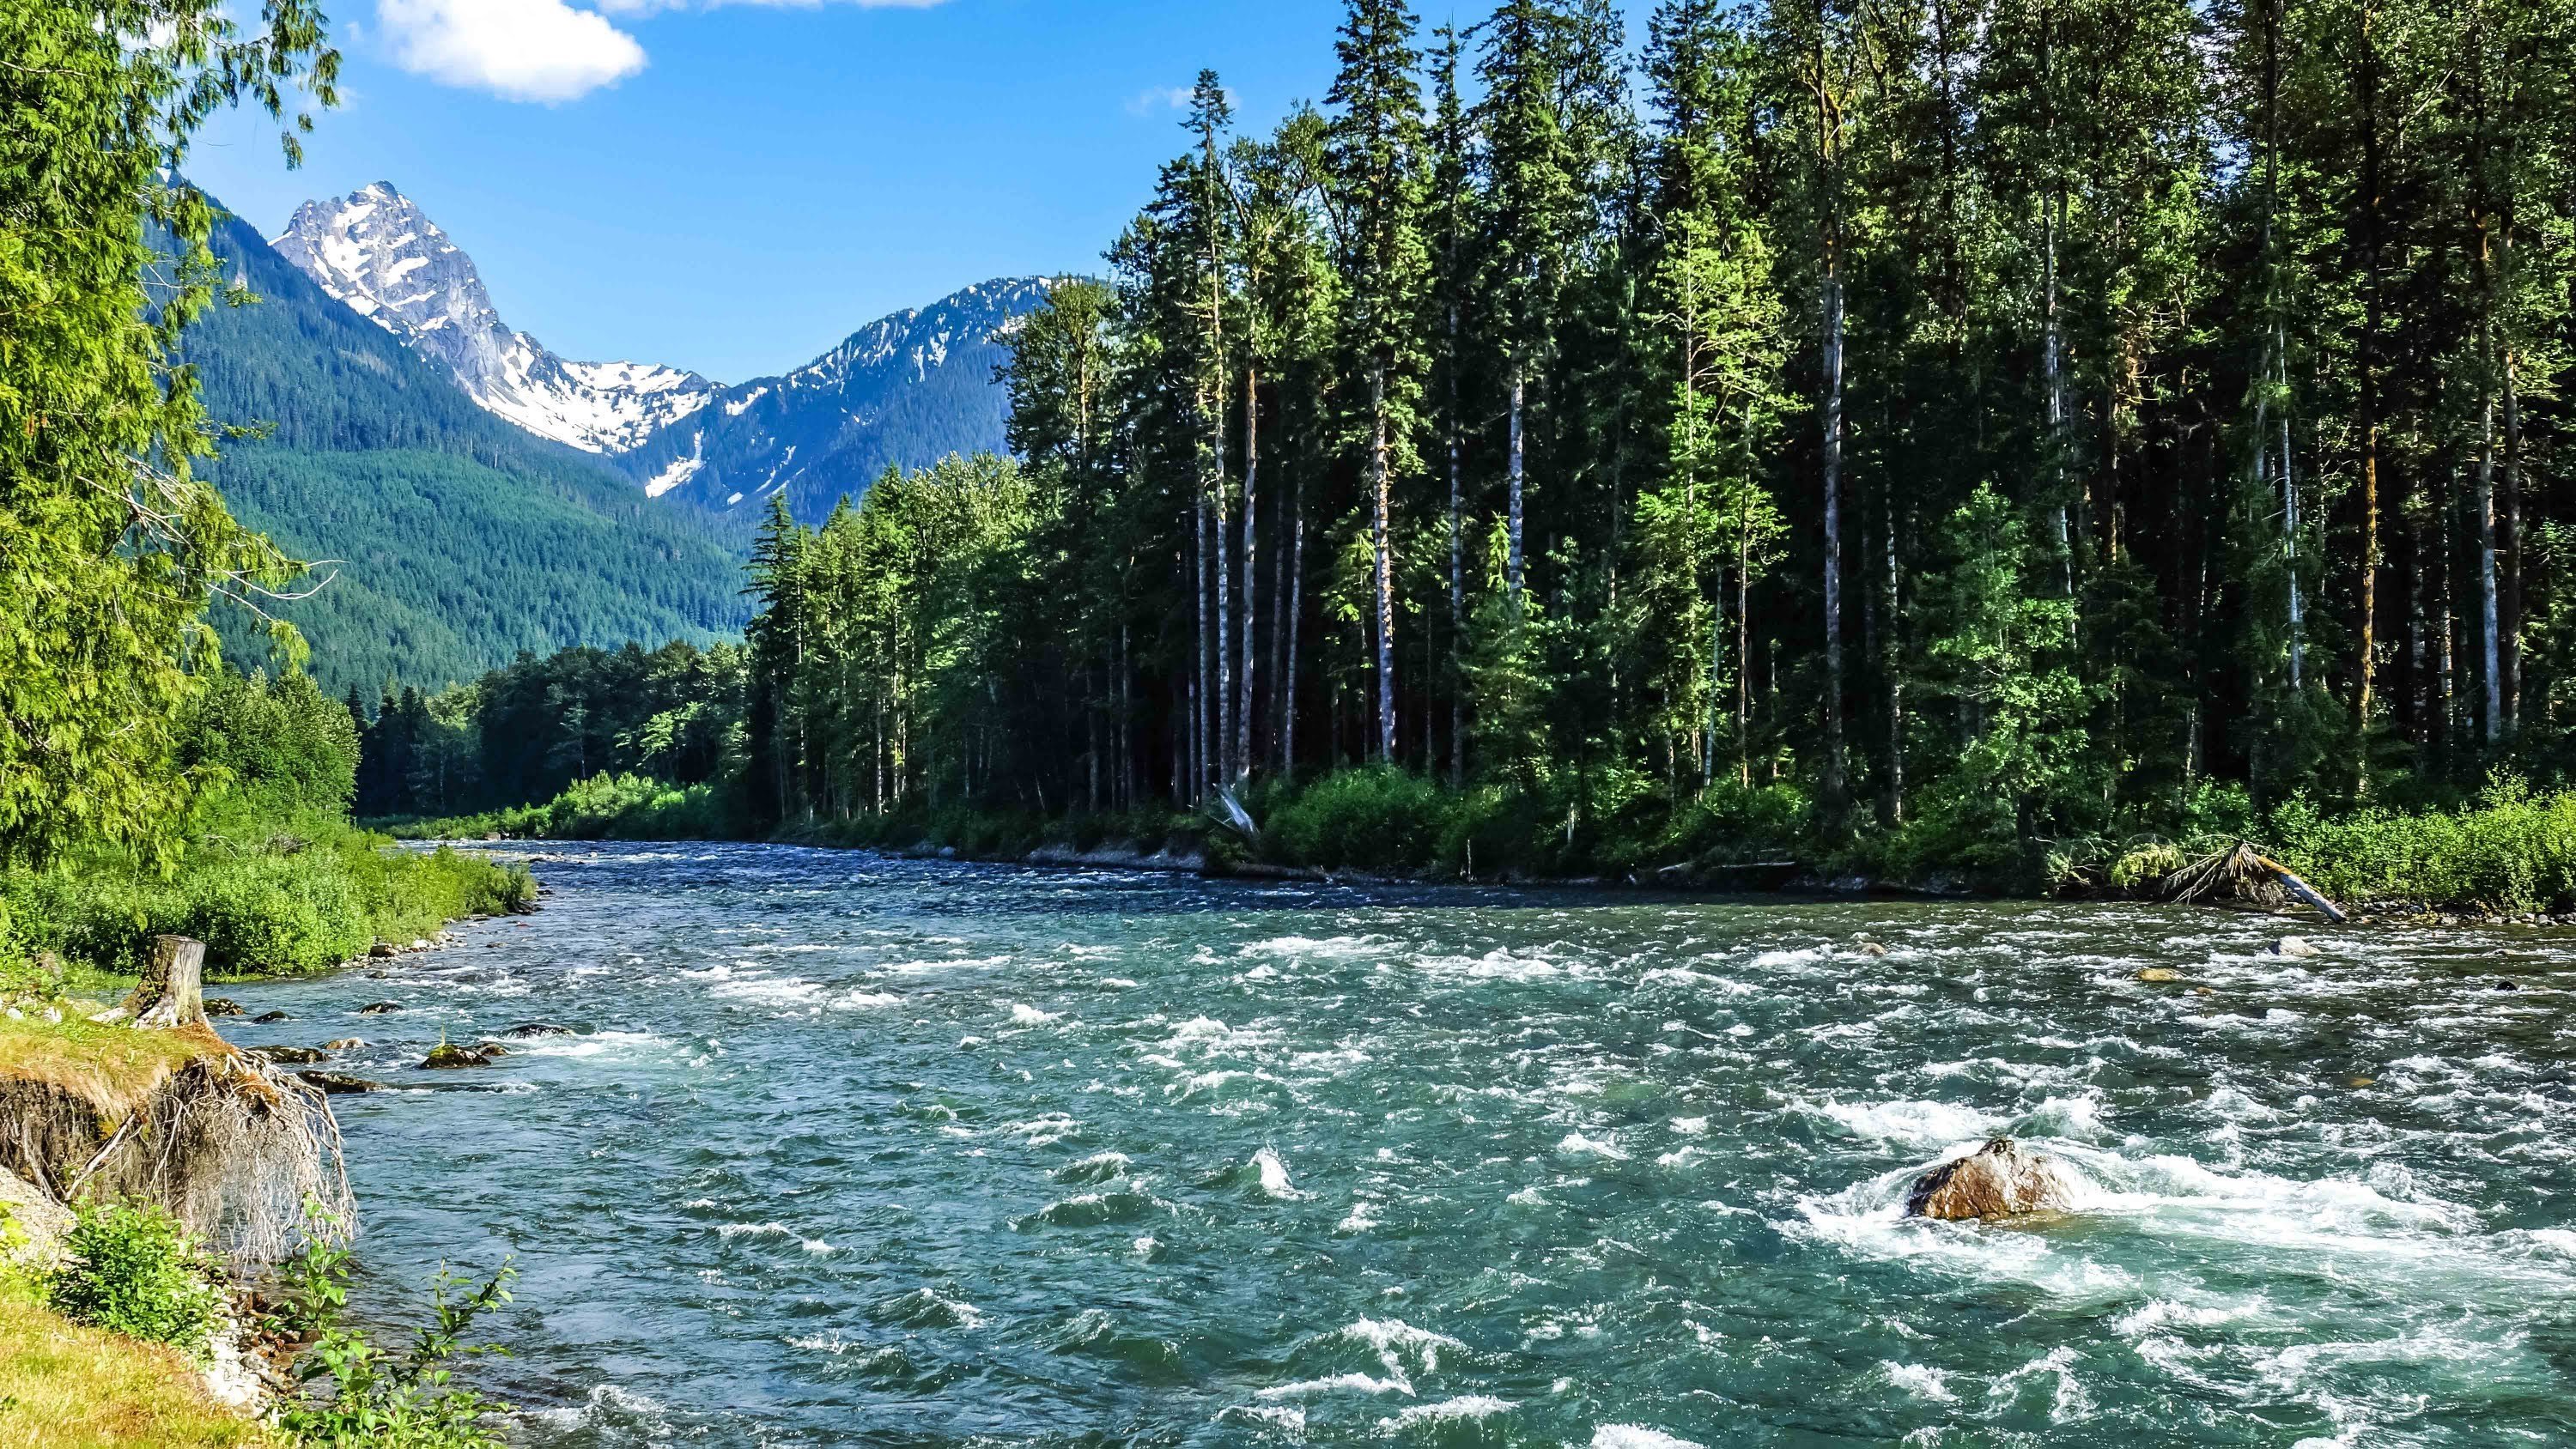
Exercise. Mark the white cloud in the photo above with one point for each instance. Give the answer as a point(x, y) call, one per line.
point(1159, 98)
point(651, 7)
point(523, 50)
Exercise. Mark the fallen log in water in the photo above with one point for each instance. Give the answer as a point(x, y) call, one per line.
point(2243, 872)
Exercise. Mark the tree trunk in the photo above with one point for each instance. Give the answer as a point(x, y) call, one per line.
point(2512, 599)
point(2489, 656)
point(1251, 558)
point(1833, 487)
point(1381, 485)
point(2366, 662)
point(1296, 612)
point(1221, 765)
point(172, 991)
point(1457, 580)
point(1513, 573)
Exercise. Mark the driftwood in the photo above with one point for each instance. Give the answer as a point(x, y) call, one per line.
point(172, 991)
point(2241, 871)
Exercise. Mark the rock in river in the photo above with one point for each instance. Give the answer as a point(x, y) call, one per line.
point(2294, 946)
point(289, 1056)
point(2002, 1179)
point(539, 1028)
point(340, 1084)
point(222, 1006)
point(448, 1054)
point(380, 1008)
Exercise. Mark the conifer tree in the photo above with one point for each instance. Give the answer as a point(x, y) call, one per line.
point(1375, 146)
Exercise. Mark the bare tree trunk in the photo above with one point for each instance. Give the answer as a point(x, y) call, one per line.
point(2290, 525)
point(2484, 503)
point(2366, 661)
point(1457, 580)
point(1221, 748)
point(1514, 469)
point(1381, 485)
point(1833, 487)
point(1251, 559)
point(1296, 612)
point(2053, 370)
point(1893, 665)
point(2512, 600)
point(1199, 725)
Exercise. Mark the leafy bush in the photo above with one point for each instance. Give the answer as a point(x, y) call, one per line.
point(360, 1396)
point(2511, 850)
point(602, 807)
point(283, 740)
point(1377, 818)
point(131, 1269)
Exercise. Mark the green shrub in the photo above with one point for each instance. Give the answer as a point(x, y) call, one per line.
point(131, 1269)
point(2511, 850)
point(602, 807)
point(1376, 818)
point(360, 1396)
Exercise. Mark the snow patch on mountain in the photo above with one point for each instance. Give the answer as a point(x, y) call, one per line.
point(387, 261)
point(903, 391)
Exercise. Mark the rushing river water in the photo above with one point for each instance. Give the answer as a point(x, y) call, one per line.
point(850, 1151)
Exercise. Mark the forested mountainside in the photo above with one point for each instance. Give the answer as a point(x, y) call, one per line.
point(460, 539)
point(902, 392)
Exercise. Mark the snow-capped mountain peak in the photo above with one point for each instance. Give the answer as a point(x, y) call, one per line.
point(381, 255)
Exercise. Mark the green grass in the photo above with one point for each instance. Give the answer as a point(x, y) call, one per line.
point(64, 1386)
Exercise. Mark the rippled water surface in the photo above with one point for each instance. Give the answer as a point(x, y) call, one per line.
point(849, 1151)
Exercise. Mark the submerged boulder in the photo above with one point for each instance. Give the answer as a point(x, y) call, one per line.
point(2294, 946)
point(2002, 1179)
point(288, 1056)
point(222, 1006)
point(380, 1008)
point(539, 1028)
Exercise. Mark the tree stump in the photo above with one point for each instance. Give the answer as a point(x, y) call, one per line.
point(172, 991)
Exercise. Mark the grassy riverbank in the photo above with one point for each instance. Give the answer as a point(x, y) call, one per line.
point(262, 864)
point(269, 894)
point(2510, 849)
point(63, 1386)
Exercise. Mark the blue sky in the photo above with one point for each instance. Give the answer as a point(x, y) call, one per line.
point(734, 187)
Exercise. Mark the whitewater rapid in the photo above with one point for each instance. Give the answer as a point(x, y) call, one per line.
point(853, 1151)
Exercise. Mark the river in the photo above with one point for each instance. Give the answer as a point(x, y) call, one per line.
point(853, 1151)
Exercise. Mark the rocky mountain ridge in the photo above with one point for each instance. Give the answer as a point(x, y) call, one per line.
point(378, 253)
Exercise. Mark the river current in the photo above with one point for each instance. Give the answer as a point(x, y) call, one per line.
point(844, 1150)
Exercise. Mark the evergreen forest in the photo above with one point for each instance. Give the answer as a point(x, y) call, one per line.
point(1962, 437)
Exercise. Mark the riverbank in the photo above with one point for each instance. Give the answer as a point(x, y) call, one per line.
point(65, 1080)
point(2508, 854)
point(64, 1386)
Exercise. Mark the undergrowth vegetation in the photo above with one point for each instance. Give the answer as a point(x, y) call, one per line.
point(269, 872)
point(131, 1269)
point(2509, 848)
point(601, 807)
point(360, 1395)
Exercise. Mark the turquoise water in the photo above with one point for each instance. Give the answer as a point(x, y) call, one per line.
point(850, 1151)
